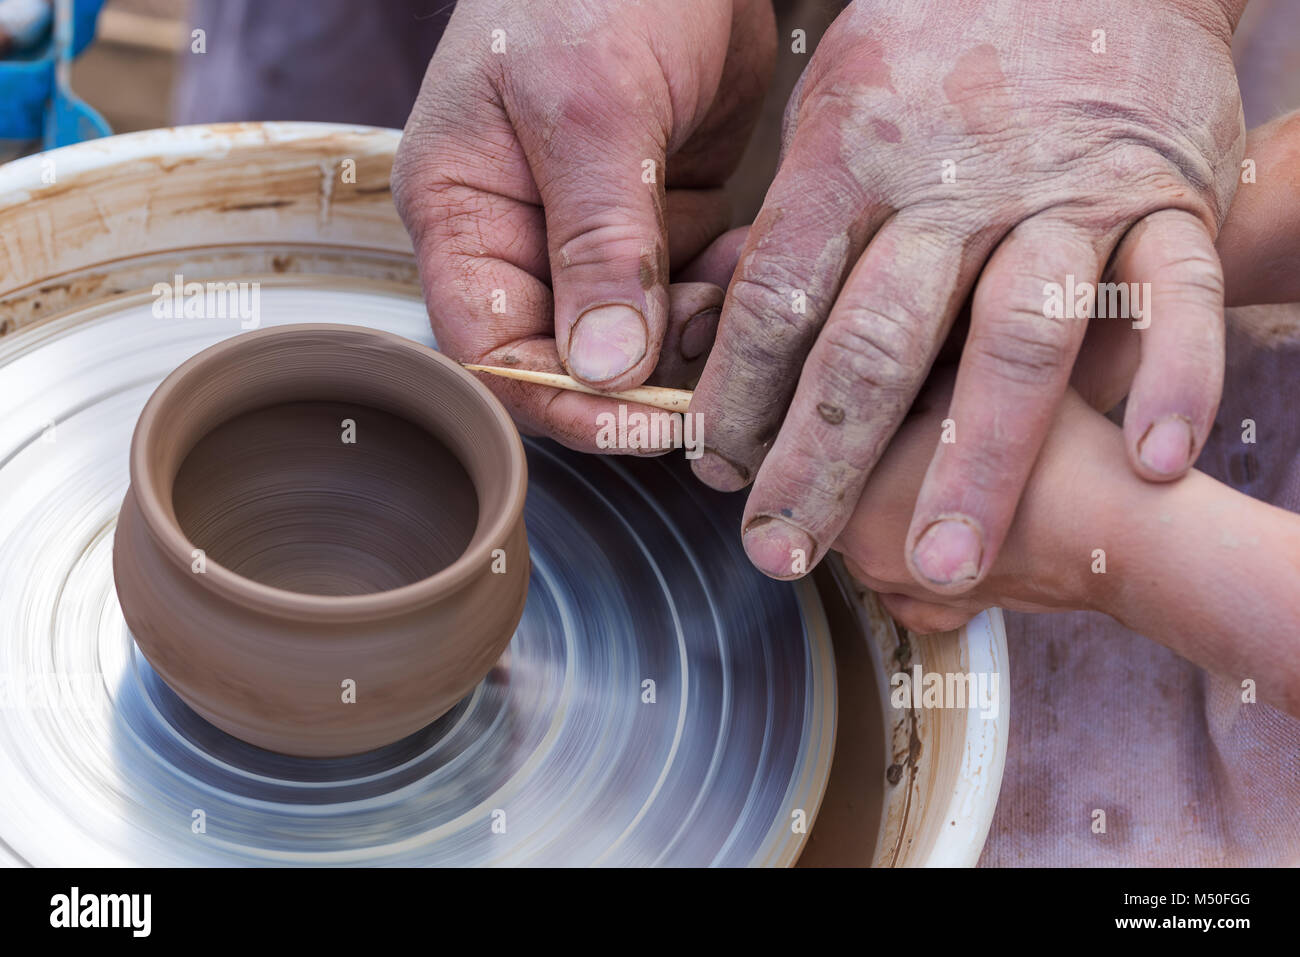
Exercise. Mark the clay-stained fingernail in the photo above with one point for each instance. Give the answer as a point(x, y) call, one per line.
point(778, 549)
point(1166, 449)
point(949, 551)
point(699, 333)
point(717, 471)
point(606, 342)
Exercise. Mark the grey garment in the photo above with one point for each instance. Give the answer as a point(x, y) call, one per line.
point(342, 61)
point(1266, 48)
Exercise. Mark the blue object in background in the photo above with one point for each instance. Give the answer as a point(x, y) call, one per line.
point(35, 100)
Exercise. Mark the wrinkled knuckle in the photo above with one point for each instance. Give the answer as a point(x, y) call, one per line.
point(886, 352)
point(450, 212)
point(1146, 161)
point(1099, 215)
point(773, 297)
point(597, 243)
point(1023, 346)
point(1196, 271)
point(450, 108)
point(410, 169)
point(428, 208)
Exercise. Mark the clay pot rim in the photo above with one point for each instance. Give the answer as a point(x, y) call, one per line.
point(302, 605)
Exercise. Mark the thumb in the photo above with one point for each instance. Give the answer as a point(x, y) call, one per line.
point(601, 180)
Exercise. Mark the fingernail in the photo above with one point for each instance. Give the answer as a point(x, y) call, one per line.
point(717, 471)
point(778, 549)
point(699, 333)
point(1167, 447)
point(606, 342)
point(949, 552)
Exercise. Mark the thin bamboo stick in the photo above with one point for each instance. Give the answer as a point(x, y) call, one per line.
point(670, 400)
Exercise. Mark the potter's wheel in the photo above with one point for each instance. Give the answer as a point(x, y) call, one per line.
point(637, 574)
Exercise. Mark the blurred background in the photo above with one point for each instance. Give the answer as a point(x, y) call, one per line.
point(358, 61)
point(351, 61)
point(129, 71)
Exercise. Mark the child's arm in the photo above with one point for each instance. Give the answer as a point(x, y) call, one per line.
point(1201, 568)
point(1197, 566)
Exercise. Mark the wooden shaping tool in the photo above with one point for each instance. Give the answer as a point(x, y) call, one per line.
point(670, 400)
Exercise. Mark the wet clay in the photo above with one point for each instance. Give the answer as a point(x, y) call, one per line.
point(327, 498)
point(322, 548)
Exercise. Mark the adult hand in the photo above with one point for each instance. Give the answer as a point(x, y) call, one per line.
point(1042, 566)
point(561, 160)
point(1069, 506)
point(933, 144)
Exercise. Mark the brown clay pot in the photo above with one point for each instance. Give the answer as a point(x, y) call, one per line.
point(322, 548)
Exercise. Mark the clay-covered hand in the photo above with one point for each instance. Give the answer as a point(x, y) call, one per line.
point(563, 158)
point(1077, 498)
point(984, 151)
point(1032, 572)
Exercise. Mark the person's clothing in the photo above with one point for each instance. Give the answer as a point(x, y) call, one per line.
point(337, 61)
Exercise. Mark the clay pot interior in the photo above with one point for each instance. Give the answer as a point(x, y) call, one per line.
point(346, 473)
point(277, 495)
